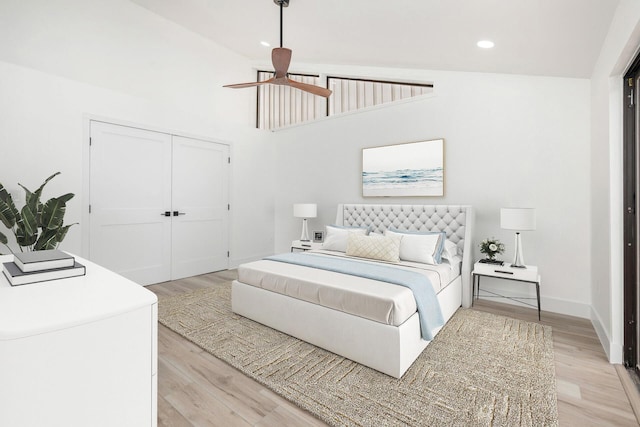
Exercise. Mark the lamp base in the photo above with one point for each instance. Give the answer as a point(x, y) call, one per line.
point(304, 236)
point(518, 260)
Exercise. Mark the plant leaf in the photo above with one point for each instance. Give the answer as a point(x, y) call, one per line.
point(29, 196)
point(53, 211)
point(62, 233)
point(29, 224)
point(47, 240)
point(24, 238)
point(33, 198)
point(4, 194)
point(8, 210)
point(7, 214)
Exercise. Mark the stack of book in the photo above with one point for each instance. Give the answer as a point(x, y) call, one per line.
point(40, 266)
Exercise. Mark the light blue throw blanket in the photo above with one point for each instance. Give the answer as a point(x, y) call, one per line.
point(426, 300)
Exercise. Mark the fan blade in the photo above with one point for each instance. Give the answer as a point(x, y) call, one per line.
point(241, 85)
point(281, 58)
point(316, 90)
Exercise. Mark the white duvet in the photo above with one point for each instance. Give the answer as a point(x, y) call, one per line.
point(371, 299)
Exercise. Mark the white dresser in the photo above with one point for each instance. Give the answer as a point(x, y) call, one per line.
point(78, 352)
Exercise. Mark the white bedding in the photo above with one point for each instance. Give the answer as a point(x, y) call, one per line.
point(370, 299)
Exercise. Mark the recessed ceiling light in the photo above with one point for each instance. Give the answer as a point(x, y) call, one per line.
point(486, 44)
point(265, 44)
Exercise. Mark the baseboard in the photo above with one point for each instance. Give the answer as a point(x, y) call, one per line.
point(570, 308)
point(614, 351)
point(554, 305)
point(603, 336)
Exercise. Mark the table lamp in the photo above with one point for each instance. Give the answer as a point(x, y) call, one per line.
point(305, 211)
point(519, 219)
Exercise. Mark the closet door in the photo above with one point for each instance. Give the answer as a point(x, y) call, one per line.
point(200, 205)
point(130, 189)
point(159, 204)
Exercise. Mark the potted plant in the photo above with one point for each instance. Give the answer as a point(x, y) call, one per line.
point(37, 226)
point(491, 248)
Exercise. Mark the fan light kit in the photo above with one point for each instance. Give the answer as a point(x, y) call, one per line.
point(281, 58)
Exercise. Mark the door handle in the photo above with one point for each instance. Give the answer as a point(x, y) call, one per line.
point(166, 213)
point(176, 213)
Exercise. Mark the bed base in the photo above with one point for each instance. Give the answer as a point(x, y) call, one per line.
point(385, 348)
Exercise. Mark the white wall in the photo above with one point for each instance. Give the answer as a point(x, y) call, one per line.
point(63, 60)
point(509, 141)
point(618, 50)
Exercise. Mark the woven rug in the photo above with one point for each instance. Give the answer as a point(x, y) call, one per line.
point(480, 370)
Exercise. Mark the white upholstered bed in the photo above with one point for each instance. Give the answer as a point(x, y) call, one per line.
point(368, 321)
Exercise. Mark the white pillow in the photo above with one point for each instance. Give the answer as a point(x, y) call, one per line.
point(454, 263)
point(383, 248)
point(450, 250)
point(420, 247)
point(336, 237)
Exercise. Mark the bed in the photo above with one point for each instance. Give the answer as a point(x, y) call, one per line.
point(367, 320)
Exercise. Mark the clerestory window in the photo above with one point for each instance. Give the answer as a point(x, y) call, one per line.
point(280, 106)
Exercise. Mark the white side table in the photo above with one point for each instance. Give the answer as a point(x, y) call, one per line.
point(526, 275)
point(304, 246)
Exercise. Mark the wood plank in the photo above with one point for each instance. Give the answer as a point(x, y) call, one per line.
point(168, 415)
point(201, 408)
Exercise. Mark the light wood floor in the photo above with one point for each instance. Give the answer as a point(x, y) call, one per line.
point(197, 389)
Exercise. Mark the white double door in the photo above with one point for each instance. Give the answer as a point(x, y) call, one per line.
point(158, 203)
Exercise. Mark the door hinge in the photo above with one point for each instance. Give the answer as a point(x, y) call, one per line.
point(229, 160)
point(89, 208)
point(228, 207)
point(630, 81)
point(90, 142)
point(227, 254)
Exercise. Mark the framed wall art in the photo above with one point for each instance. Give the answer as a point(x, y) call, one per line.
point(411, 169)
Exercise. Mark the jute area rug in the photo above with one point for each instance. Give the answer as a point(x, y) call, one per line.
point(480, 370)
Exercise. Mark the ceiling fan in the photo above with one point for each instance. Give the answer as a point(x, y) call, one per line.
point(281, 58)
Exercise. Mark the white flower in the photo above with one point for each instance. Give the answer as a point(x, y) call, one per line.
point(493, 247)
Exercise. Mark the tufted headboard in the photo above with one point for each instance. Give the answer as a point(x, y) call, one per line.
point(455, 220)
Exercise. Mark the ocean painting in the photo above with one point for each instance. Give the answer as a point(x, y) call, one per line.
point(404, 170)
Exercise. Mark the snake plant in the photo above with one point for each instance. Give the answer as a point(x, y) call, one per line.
point(37, 226)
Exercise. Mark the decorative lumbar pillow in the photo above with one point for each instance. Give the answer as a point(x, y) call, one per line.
point(383, 248)
point(424, 247)
point(336, 237)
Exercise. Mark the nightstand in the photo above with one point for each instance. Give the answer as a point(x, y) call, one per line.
point(526, 275)
point(304, 246)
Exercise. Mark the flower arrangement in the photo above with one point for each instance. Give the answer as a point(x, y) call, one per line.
point(491, 247)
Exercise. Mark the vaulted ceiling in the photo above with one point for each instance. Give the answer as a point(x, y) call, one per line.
point(535, 37)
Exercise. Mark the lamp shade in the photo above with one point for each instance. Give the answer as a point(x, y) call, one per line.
point(518, 218)
point(305, 210)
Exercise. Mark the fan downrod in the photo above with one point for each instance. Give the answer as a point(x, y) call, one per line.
point(281, 58)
